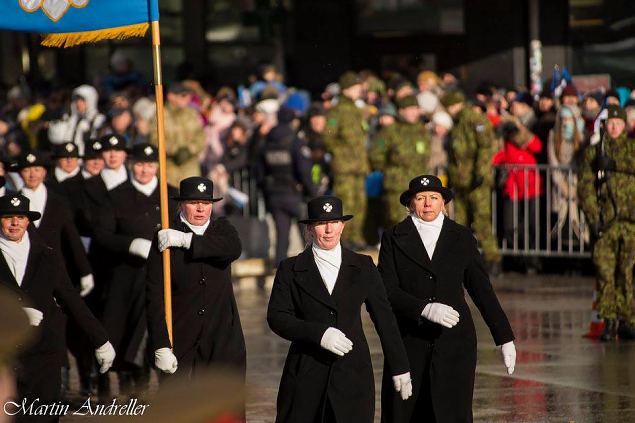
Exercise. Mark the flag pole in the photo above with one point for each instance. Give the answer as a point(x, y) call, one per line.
point(163, 178)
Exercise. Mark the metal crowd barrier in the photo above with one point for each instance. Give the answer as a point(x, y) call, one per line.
point(534, 229)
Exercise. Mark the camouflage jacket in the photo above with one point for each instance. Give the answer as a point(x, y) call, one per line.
point(601, 200)
point(345, 138)
point(472, 146)
point(401, 151)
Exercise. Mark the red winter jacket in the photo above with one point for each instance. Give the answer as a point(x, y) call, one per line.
point(511, 154)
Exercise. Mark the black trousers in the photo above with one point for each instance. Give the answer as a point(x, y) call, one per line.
point(38, 377)
point(283, 209)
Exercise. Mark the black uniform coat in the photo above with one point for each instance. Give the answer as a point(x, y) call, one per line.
point(301, 310)
point(445, 357)
point(44, 286)
point(206, 324)
point(129, 215)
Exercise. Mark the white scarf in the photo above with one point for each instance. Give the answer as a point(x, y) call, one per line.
point(428, 231)
point(145, 189)
point(114, 177)
point(3, 191)
point(328, 263)
point(37, 200)
point(86, 174)
point(62, 175)
point(198, 230)
point(16, 255)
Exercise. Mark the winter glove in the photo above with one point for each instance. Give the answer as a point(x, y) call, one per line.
point(441, 314)
point(35, 316)
point(606, 163)
point(165, 360)
point(140, 247)
point(508, 351)
point(86, 283)
point(105, 356)
point(182, 155)
point(173, 238)
point(336, 342)
point(403, 385)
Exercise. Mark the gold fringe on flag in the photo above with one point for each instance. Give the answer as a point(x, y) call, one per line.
point(71, 39)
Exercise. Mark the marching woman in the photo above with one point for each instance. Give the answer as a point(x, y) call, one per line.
point(426, 261)
point(315, 303)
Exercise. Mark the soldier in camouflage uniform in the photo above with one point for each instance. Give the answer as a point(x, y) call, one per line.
point(400, 151)
point(606, 190)
point(345, 137)
point(470, 172)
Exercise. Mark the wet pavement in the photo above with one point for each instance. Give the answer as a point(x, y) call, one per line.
point(560, 375)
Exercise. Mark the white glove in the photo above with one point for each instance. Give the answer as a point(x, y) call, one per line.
point(105, 356)
point(403, 384)
point(140, 247)
point(165, 360)
point(173, 238)
point(336, 342)
point(508, 351)
point(441, 314)
point(86, 283)
point(35, 316)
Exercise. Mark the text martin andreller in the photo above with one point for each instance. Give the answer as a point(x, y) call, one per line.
point(88, 408)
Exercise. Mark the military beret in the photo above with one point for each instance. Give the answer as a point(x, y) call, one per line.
point(615, 112)
point(348, 79)
point(407, 101)
point(452, 97)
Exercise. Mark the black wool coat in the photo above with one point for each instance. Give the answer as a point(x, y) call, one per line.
point(44, 286)
point(444, 357)
point(301, 310)
point(206, 323)
point(130, 214)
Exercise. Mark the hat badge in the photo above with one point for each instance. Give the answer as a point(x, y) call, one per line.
point(97, 146)
point(327, 207)
point(30, 158)
point(15, 201)
point(425, 181)
point(147, 151)
point(70, 147)
point(113, 141)
point(201, 187)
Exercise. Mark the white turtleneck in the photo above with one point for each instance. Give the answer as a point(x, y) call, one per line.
point(428, 231)
point(198, 230)
point(146, 189)
point(62, 175)
point(16, 255)
point(114, 177)
point(328, 263)
point(37, 200)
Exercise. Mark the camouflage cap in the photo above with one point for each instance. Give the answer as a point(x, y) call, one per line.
point(452, 97)
point(407, 101)
point(615, 112)
point(348, 79)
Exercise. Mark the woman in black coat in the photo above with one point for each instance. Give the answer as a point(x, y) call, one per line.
point(426, 261)
point(315, 303)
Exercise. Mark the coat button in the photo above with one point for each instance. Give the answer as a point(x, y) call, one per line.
point(202, 281)
point(157, 208)
point(430, 277)
point(158, 226)
point(201, 312)
point(332, 313)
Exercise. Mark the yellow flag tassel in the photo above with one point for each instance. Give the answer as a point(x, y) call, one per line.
point(71, 39)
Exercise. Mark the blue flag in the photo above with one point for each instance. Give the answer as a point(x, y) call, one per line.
point(71, 22)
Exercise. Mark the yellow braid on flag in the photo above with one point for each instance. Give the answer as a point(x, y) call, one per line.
point(71, 39)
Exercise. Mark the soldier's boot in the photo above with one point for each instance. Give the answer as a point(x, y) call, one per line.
point(610, 330)
point(626, 330)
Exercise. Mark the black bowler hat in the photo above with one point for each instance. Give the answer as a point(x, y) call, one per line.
point(425, 183)
point(31, 159)
point(196, 188)
point(324, 209)
point(93, 150)
point(66, 150)
point(17, 205)
point(113, 142)
point(144, 152)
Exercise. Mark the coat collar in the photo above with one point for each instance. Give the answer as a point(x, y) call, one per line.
point(35, 254)
point(308, 276)
point(407, 239)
